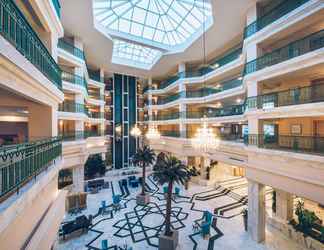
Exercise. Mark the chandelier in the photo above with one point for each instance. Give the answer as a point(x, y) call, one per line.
point(153, 133)
point(136, 132)
point(205, 139)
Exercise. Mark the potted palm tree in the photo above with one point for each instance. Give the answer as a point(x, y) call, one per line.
point(169, 170)
point(143, 157)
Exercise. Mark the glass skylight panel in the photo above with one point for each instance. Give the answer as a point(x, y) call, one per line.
point(134, 55)
point(167, 22)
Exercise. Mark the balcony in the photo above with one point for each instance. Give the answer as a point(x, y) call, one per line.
point(75, 79)
point(97, 96)
point(70, 48)
point(15, 28)
point(214, 64)
point(166, 117)
point(71, 106)
point(299, 144)
point(297, 48)
point(57, 7)
point(219, 112)
point(274, 14)
point(78, 135)
point(94, 75)
point(96, 115)
point(168, 99)
point(304, 95)
point(170, 133)
point(22, 162)
point(230, 84)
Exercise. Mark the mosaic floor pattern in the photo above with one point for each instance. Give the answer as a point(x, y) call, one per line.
point(140, 226)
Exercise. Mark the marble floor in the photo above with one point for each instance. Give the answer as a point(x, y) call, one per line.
point(139, 226)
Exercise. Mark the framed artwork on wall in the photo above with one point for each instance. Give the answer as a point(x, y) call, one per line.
point(296, 129)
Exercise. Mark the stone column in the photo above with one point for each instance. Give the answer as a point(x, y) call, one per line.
point(284, 205)
point(204, 162)
point(149, 97)
point(256, 211)
point(182, 68)
point(78, 178)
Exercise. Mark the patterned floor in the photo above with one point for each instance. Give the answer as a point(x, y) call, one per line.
point(139, 227)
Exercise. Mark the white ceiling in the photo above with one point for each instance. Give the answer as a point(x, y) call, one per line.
point(229, 22)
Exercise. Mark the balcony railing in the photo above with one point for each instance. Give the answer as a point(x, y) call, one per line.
point(57, 7)
point(94, 75)
point(233, 83)
point(75, 79)
point(96, 96)
point(70, 106)
point(309, 94)
point(274, 14)
point(303, 144)
point(216, 63)
point(300, 47)
point(165, 117)
point(168, 99)
point(22, 162)
point(170, 133)
point(15, 28)
point(78, 135)
point(68, 47)
point(228, 57)
point(220, 112)
point(96, 115)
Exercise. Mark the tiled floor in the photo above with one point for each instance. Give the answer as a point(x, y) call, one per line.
point(139, 227)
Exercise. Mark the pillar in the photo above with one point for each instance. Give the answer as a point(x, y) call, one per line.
point(102, 75)
point(149, 96)
point(182, 68)
point(204, 163)
point(284, 205)
point(78, 178)
point(256, 211)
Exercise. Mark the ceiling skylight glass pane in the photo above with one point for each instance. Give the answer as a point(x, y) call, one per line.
point(166, 22)
point(134, 55)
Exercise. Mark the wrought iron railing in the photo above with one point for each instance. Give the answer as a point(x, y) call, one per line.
point(297, 48)
point(22, 162)
point(75, 79)
point(15, 28)
point(57, 7)
point(70, 48)
point(274, 14)
point(303, 95)
point(305, 144)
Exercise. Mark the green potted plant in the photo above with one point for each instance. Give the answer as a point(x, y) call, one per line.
point(169, 170)
point(143, 157)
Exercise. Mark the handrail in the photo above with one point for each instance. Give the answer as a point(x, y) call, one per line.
point(71, 106)
point(57, 7)
point(15, 28)
point(301, 95)
point(70, 48)
point(274, 14)
point(21, 162)
point(75, 79)
point(297, 48)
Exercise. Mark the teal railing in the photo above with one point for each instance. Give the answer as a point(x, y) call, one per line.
point(167, 99)
point(15, 28)
point(96, 115)
point(303, 95)
point(233, 83)
point(307, 44)
point(78, 135)
point(94, 75)
point(274, 14)
point(228, 57)
point(71, 106)
point(165, 117)
point(70, 48)
point(75, 79)
point(22, 162)
point(303, 144)
point(219, 112)
point(57, 7)
point(170, 133)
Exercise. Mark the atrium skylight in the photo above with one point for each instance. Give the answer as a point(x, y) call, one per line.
point(160, 23)
point(131, 54)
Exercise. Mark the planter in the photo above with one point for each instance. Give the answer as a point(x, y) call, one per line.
point(169, 242)
point(142, 200)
